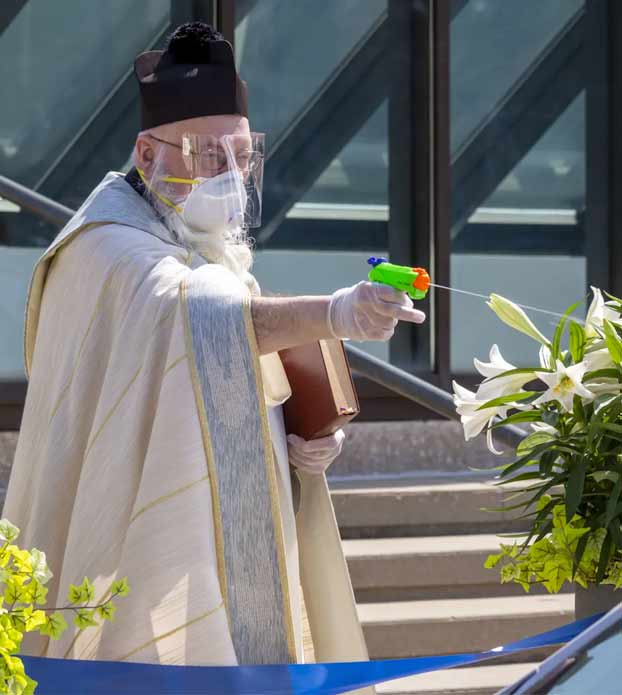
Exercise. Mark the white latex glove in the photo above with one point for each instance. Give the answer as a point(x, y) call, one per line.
point(369, 311)
point(316, 455)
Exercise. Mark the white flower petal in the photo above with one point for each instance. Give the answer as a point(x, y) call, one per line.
point(595, 313)
point(462, 393)
point(576, 372)
point(511, 314)
point(497, 364)
point(545, 357)
point(548, 396)
point(474, 424)
point(598, 359)
point(549, 378)
point(490, 443)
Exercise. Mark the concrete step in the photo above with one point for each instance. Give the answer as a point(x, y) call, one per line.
point(423, 510)
point(377, 449)
point(448, 626)
point(401, 569)
point(478, 680)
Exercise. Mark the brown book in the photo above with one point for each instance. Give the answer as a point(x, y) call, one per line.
point(323, 396)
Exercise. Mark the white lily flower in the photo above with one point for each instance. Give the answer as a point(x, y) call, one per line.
point(597, 313)
point(496, 385)
point(474, 420)
point(598, 359)
point(496, 366)
point(564, 383)
point(512, 315)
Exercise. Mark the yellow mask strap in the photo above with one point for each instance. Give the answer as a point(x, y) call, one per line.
point(174, 179)
point(168, 179)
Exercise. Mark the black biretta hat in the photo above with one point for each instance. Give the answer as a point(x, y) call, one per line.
point(195, 76)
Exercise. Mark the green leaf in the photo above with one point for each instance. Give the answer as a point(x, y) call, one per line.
point(579, 552)
point(612, 502)
point(603, 560)
point(504, 400)
point(601, 374)
point(599, 476)
point(493, 560)
point(609, 427)
point(120, 587)
point(522, 416)
point(520, 370)
point(578, 409)
point(107, 611)
point(88, 590)
point(616, 533)
point(54, 626)
point(614, 344)
point(556, 571)
point(84, 618)
point(75, 594)
point(576, 343)
point(529, 443)
point(574, 488)
point(559, 331)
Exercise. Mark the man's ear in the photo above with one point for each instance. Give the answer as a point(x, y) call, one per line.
point(145, 154)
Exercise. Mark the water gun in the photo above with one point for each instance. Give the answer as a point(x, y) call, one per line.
point(414, 281)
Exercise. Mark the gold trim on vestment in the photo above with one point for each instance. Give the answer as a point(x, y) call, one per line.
point(166, 497)
point(271, 475)
point(208, 450)
point(174, 363)
point(170, 632)
point(111, 412)
point(45, 259)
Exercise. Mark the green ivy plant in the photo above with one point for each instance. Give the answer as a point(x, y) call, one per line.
point(23, 575)
point(566, 476)
point(558, 557)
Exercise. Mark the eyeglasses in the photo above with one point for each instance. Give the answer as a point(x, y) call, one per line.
point(212, 158)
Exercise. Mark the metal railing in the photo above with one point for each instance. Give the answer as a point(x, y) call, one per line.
point(46, 208)
point(396, 380)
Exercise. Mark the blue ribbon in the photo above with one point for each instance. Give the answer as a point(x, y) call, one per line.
point(74, 677)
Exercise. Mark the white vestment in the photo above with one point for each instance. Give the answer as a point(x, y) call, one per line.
point(142, 361)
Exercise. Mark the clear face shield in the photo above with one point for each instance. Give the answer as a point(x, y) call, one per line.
point(213, 185)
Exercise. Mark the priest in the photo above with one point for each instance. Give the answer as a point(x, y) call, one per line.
point(152, 444)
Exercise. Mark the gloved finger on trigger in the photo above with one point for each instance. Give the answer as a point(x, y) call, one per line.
point(387, 293)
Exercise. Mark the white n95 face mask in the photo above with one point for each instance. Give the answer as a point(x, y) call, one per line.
point(216, 205)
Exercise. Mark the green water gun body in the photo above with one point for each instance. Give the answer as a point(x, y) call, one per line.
point(414, 281)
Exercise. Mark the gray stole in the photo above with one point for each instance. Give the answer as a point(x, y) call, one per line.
point(229, 395)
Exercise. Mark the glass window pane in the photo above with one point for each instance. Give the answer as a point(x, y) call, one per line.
point(62, 60)
point(524, 240)
point(286, 50)
point(492, 44)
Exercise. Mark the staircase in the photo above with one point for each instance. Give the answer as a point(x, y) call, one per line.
point(416, 556)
